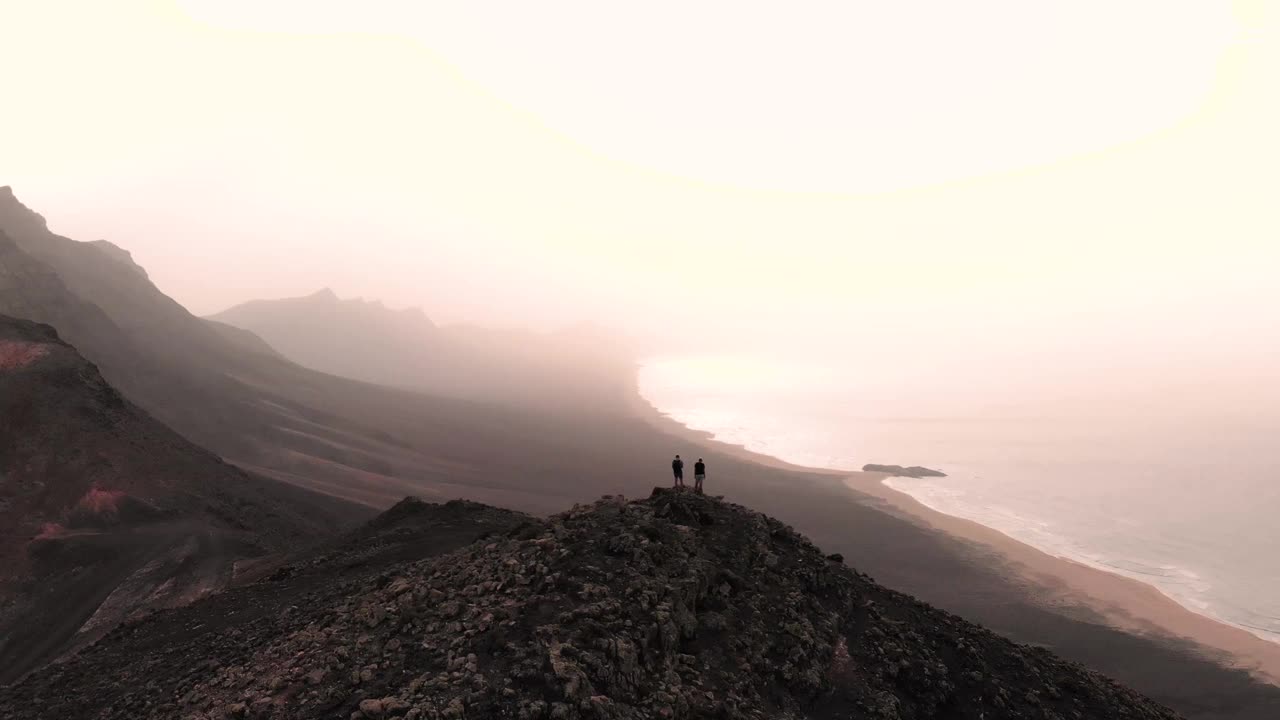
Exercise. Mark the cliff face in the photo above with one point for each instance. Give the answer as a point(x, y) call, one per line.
point(33, 290)
point(101, 273)
point(671, 607)
point(144, 343)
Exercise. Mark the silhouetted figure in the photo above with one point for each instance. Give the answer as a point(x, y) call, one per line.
point(699, 474)
point(677, 469)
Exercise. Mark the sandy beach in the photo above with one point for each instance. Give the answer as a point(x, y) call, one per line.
point(1127, 603)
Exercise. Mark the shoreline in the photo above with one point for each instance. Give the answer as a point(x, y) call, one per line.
point(1125, 603)
point(1087, 563)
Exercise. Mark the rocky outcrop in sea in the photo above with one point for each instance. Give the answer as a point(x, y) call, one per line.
point(915, 471)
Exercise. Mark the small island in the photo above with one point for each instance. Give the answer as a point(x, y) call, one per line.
point(915, 471)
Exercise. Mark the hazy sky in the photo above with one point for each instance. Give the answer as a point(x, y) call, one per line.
point(1006, 174)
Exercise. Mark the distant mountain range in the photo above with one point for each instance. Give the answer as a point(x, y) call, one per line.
point(576, 368)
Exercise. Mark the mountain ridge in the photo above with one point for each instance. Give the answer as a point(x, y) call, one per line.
point(676, 606)
point(365, 340)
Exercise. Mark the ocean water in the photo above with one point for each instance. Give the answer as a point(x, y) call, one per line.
point(1184, 496)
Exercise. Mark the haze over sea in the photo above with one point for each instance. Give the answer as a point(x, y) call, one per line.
point(1175, 489)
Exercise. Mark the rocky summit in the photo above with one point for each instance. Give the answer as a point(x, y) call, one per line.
point(676, 606)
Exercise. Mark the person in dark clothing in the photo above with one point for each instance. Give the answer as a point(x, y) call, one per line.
point(677, 469)
point(699, 474)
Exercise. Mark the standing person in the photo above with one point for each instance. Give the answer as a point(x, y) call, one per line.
point(677, 469)
point(699, 474)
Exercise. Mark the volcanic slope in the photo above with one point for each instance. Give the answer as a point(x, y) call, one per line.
point(107, 513)
point(677, 606)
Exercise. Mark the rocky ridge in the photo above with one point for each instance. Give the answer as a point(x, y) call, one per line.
point(677, 606)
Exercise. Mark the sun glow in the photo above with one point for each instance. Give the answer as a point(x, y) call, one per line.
point(986, 169)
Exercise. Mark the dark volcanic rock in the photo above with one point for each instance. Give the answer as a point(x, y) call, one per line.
point(915, 471)
point(677, 606)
